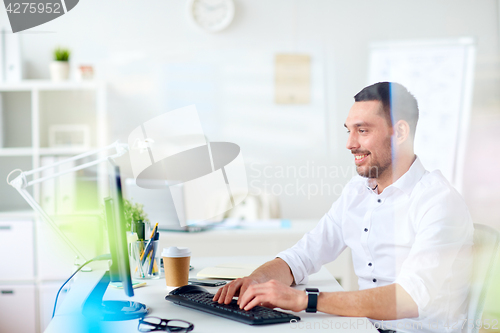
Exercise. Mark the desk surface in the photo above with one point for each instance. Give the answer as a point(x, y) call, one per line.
point(69, 319)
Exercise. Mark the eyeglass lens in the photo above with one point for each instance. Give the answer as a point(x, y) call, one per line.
point(151, 324)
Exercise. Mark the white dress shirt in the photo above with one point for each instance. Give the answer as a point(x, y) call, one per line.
point(417, 233)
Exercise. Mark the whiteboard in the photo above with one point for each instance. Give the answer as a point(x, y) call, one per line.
point(439, 73)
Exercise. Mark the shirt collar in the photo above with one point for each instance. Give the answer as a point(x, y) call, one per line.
point(409, 179)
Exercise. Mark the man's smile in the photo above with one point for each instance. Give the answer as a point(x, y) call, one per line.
point(360, 158)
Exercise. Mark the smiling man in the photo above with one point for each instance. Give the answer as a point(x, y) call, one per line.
point(409, 231)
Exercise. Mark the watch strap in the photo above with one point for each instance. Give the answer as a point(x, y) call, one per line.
point(312, 299)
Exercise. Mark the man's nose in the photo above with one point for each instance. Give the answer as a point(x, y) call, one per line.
point(352, 142)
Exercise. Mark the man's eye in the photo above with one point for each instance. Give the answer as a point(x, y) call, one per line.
point(362, 131)
point(348, 132)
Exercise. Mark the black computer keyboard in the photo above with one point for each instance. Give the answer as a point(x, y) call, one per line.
point(199, 298)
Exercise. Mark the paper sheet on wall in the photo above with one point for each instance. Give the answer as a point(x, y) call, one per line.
point(292, 78)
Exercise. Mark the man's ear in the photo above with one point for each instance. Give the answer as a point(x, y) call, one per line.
point(401, 131)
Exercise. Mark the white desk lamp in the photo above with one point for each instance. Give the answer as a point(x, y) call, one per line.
point(21, 183)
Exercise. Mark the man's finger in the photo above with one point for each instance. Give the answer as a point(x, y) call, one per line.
point(231, 290)
point(243, 289)
point(223, 293)
point(251, 292)
point(217, 294)
point(254, 302)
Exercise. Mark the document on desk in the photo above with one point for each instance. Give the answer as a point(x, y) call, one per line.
point(227, 271)
point(231, 223)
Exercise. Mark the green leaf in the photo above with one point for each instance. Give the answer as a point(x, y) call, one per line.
point(61, 54)
point(133, 212)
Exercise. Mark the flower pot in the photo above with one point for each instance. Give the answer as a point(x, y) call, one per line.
point(59, 70)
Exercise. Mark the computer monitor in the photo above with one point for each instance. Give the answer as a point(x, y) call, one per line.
point(94, 307)
point(115, 220)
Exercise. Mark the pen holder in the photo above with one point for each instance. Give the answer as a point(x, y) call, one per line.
point(145, 259)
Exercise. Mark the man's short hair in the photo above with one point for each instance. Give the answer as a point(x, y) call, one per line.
point(397, 102)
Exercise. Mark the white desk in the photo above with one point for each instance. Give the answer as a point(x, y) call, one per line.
point(69, 319)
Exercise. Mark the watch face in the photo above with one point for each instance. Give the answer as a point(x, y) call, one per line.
point(212, 15)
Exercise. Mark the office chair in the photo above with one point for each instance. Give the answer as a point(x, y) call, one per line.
point(486, 250)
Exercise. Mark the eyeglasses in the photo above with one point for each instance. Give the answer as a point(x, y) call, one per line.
point(151, 324)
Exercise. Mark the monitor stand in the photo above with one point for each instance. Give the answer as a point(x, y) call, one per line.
point(95, 308)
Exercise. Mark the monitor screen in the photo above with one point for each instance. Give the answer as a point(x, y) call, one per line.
point(115, 219)
point(94, 307)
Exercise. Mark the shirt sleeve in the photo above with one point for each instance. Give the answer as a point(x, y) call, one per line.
point(441, 253)
point(321, 245)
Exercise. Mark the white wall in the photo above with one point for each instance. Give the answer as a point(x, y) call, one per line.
point(137, 46)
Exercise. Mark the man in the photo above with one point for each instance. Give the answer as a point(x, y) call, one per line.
point(409, 231)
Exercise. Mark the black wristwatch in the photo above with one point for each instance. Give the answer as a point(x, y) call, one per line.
point(312, 299)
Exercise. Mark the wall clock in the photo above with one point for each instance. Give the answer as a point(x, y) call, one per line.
point(211, 15)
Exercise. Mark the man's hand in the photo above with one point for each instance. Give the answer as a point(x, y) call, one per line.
point(276, 269)
point(273, 294)
point(235, 288)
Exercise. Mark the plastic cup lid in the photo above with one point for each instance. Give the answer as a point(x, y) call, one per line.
point(176, 252)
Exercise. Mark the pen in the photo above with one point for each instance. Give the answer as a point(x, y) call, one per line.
point(146, 250)
point(155, 265)
point(152, 236)
point(149, 245)
point(155, 238)
point(139, 265)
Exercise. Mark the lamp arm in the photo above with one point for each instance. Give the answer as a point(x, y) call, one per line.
point(32, 202)
point(79, 167)
point(20, 183)
point(121, 149)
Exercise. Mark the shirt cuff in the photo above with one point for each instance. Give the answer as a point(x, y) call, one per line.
point(417, 291)
point(293, 261)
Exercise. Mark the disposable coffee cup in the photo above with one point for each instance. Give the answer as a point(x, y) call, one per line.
point(176, 265)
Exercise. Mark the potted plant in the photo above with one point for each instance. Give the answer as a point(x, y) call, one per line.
point(133, 212)
point(59, 68)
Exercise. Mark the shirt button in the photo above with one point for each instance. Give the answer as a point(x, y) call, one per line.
point(374, 280)
point(379, 200)
point(369, 264)
point(366, 229)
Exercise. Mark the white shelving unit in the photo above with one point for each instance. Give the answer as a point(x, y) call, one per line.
point(27, 110)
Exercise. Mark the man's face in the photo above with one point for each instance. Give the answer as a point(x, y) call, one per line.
point(369, 139)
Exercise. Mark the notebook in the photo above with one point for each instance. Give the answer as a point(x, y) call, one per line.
point(227, 271)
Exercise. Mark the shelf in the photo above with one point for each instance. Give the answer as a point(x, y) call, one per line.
point(28, 151)
point(27, 110)
point(14, 215)
point(48, 85)
point(64, 151)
